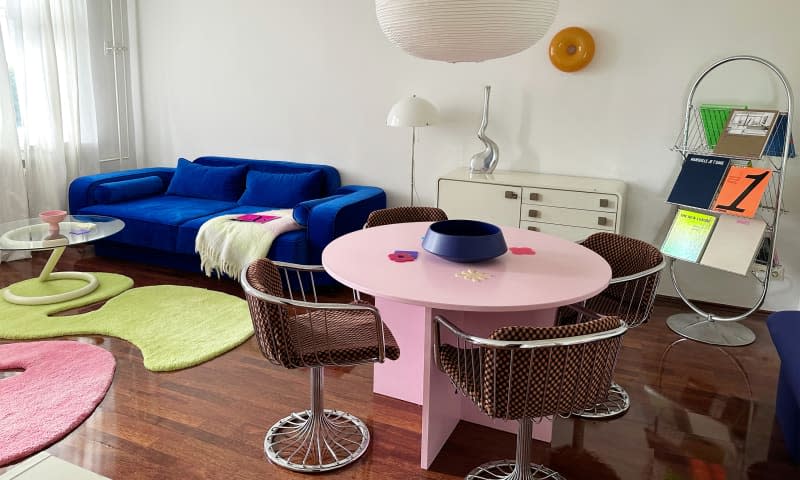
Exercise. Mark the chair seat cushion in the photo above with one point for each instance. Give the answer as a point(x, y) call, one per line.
point(339, 337)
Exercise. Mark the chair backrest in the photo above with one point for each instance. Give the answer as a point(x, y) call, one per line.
point(512, 381)
point(270, 319)
point(294, 329)
point(389, 216)
point(628, 257)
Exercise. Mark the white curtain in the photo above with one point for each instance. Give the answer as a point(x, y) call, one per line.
point(51, 60)
point(12, 177)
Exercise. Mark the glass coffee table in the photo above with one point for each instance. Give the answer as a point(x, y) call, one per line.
point(33, 234)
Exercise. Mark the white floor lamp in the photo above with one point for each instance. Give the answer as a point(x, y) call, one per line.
point(412, 112)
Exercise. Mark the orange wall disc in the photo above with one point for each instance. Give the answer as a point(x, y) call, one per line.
point(571, 49)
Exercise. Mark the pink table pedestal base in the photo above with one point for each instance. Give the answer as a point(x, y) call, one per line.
point(416, 379)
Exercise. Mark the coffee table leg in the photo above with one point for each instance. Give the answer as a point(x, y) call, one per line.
point(47, 275)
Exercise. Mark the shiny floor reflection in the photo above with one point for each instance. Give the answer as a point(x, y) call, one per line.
point(698, 412)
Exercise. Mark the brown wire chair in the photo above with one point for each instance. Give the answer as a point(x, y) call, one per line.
point(389, 216)
point(635, 269)
point(529, 373)
point(302, 332)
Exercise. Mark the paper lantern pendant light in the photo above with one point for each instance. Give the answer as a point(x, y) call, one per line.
point(464, 30)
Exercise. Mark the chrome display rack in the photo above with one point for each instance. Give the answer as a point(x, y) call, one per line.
point(703, 326)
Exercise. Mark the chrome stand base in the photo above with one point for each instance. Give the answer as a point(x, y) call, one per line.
point(47, 275)
point(305, 443)
point(617, 403)
point(701, 329)
point(520, 468)
point(506, 470)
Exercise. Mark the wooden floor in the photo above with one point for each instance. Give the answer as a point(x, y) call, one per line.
point(699, 412)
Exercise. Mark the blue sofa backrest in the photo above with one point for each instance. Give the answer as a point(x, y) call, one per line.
point(332, 179)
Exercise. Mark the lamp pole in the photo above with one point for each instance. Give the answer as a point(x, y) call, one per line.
point(413, 145)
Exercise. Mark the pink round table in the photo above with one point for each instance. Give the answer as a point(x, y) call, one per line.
point(479, 297)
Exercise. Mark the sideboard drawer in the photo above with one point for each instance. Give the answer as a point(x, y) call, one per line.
point(498, 204)
point(569, 216)
point(570, 199)
point(564, 231)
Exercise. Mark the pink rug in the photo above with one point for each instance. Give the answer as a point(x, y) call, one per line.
point(62, 383)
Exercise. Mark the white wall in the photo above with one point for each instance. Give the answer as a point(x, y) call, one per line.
point(312, 81)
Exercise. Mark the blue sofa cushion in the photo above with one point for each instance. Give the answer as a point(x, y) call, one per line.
point(154, 221)
point(331, 179)
point(201, 181)
point(302, 211)
point(281, 190)
point(124, 190)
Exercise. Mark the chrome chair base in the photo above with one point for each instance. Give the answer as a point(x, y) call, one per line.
point(310, 443)
point(506, 470)
point(617, 403)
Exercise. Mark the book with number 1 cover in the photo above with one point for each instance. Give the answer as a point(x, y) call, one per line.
point(741, 191)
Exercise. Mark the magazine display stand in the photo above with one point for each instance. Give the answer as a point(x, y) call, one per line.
point(700, 325)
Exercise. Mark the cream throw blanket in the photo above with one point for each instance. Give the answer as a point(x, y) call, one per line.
point(227, 246)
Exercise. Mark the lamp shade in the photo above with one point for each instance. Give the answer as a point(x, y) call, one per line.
point(412, 112)
point(464, 30)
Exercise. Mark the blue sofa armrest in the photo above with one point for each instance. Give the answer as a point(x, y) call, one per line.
point(339, 216)
point(81, 190)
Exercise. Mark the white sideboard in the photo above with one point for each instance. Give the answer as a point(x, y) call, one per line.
point(565, 206)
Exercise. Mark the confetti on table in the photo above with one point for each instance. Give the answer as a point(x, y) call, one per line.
point(522, 251)
point(473, 275)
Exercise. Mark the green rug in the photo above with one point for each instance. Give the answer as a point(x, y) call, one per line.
point(175, 327)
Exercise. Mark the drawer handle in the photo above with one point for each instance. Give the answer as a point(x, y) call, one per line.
point(535, 197)
point(511, 195)
point(533, 213)
point(533, 229)
point(603, 203)
point(602, 221)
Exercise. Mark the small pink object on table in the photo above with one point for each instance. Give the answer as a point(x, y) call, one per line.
point(520, 290)
point(403, 256)
point(53, 218)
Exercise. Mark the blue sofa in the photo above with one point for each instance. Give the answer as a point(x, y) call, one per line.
point(162, 217)
point(784, 328)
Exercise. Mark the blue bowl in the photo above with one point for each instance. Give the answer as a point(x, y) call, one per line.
point(464, 241)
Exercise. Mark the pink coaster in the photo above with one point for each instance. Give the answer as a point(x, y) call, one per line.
point(401, 256)
point(522, 251)
point(61, 385)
